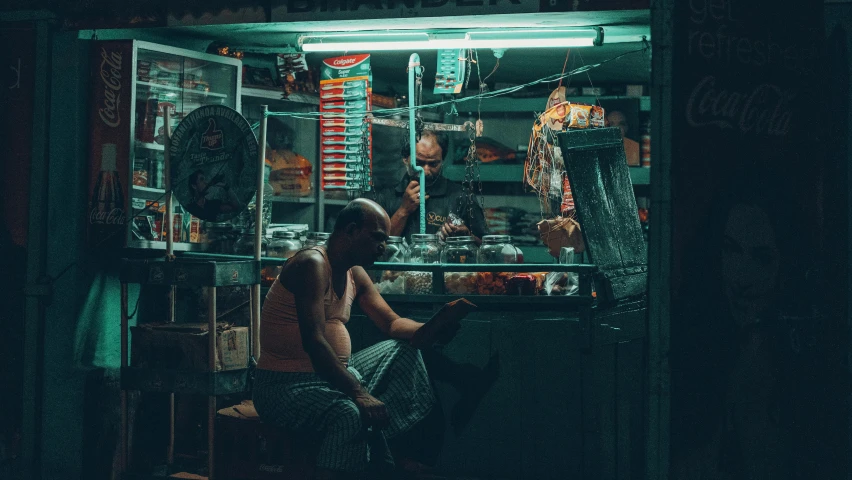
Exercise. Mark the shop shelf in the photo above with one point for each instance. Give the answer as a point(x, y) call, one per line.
point(255, 95)
point(488, 173)
point(499, 302)
point(150, 146)
point(149, 193)
point(640, 175)
point(336, 201)
point(538, 104)
point(161, 245)
point(186, 92)
point(282, 199)
point(181, 381)
point(515, 173)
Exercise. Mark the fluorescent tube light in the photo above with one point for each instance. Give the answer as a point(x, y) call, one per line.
point(509, 38)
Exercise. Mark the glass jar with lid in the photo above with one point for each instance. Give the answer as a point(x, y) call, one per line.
point(245, 243)
point(396, 251)
point(497, 249)
point(283, 244)
point(459, 250)
point(392, 281)
point(220, 237)
point(316, 239)
point(424, 249)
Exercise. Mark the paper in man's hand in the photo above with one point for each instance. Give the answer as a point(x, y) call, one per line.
point(442, 327)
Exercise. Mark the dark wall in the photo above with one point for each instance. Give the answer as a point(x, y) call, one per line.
point(757, 328)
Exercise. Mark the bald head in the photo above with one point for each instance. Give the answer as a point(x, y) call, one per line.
point(360, 233)
point(362, 212)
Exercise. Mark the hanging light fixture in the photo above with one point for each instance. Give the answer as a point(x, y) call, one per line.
point(405, 40)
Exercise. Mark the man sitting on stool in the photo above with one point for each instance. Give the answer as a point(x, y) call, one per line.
point(306, 379)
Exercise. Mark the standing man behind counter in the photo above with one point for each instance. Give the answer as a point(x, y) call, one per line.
point(443, 196)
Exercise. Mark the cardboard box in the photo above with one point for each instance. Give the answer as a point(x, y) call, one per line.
point(183, 346)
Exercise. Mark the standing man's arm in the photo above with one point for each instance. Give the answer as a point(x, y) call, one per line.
point(309, 292)
point(410, 205)
point(474, 221)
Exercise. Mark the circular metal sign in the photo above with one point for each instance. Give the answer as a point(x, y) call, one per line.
point(214, 163)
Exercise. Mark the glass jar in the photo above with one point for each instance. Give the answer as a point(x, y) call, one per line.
point(396, 251)
point(459, 250)
point(424, 249)
point(220, 237)
point(245, 243)
point(284, 244)
point(497, 249)
point(391, 281)
point(316, 239)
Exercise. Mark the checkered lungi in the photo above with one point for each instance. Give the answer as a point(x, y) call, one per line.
point(391, 371)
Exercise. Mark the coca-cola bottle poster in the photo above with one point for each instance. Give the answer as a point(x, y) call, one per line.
point(214, 163)
point(109, 150)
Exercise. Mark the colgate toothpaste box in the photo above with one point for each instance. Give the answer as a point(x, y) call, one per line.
point(350, 67)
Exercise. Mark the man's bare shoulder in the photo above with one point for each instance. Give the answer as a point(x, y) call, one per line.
point(305, 269)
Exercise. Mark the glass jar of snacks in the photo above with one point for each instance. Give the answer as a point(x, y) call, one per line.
point(220, 237)
point(316, 239)
point(392, 281)
point(497, 249)
point(245, 243)
point(424, 249)
point(396, 251)
point(459, 250)
point(284, 244)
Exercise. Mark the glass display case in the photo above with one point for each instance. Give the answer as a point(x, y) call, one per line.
point(133, 84)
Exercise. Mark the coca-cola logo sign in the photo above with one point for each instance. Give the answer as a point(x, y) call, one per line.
point(110, 73)
point(763, 111)
point(114, 216)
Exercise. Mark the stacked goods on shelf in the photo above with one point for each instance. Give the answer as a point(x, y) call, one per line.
point(148, 222)
point(290, 174)
point(345, 136)
point(518, 223)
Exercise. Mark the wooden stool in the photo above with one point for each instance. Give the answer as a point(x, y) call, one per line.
point(248, 449)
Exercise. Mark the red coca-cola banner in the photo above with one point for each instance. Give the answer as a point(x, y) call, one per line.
point(109, 150)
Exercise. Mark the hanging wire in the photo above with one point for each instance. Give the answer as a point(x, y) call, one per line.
point(391, 112)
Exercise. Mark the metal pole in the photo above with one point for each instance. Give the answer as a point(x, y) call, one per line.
point(255, 288)
point(168, 179)
point(124, 327)
point(170, 451)
point(212, 362)
point(414, 67)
